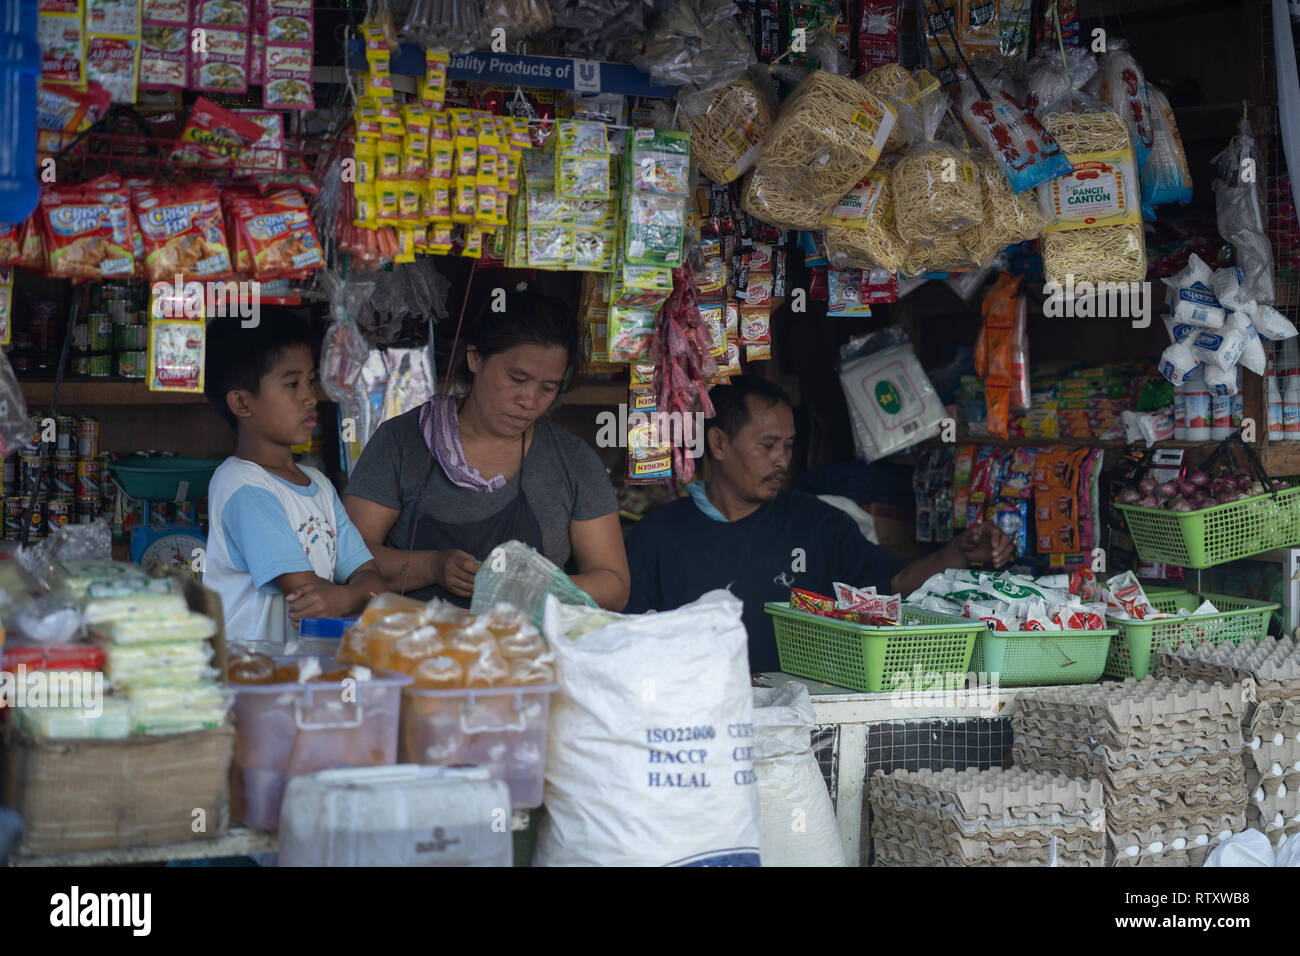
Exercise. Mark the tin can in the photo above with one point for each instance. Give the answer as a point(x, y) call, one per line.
point(101, 331)
point(65, 434)
point(58, 512)
point(132, 364)
point(63, 475)
point(89, 478)
point(36, 521)
point(135, 514)
point(33, 442)
point(130, 338)
point(11, 526)
point(88, 437)
point(183, 512)
point(101, 365)
point(87, 510)
point(159, 513)
point(81, 365)
point(29, 470)
point(80, 338)
point(9, 477)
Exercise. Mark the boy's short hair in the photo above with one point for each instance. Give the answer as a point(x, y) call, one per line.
point(731, 403)
point(238, 357)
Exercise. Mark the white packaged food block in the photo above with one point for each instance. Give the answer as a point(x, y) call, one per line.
point(893, 399)
point(650, 759)
point(403, 815)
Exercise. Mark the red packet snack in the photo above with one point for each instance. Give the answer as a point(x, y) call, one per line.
point(182, 231)
point(1076, 617)
point(222, 65)
point(755, 325)
point(288, 77)
point(1125, 598)
point(846, 595)
point(214, 136)
point(989, 615)
point(11, 250)
point(887, 606)
point(64, 111)
point(278, 235)
point(87, 231)
point(801, 600)
point(112, 62)
point(165, 44)
point(62, 39)
point(32, 243)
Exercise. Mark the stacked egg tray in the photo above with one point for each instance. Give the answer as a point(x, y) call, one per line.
point(986, 818)
point(1269, 674)
point(1166, 752)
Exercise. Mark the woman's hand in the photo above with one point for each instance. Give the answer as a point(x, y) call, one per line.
point(455, 571)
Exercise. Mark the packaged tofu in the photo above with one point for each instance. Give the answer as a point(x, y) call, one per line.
point(110, 721)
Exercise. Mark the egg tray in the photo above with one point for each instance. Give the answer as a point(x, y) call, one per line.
point(1099, 762)
point(1290, 829)
point(1193, 733)
point(1226, 766)
point(893, 852)
point(1190, 857)
point(990, 791)
point(992, 847)
point(1121, 835)
point(1150, 702)
point(948, 820)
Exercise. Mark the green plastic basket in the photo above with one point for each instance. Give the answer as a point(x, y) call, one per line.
point(1040, 658)
point(1210, 536)
point(165, 479)
point(1133, 652)
point(870, 659)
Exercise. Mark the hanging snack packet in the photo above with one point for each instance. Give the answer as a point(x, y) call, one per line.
point(266, 155)
point(64, 111)
point(894, 85)
point(220, 61)
point(726, 136)
point(1007, 217)
point(182, 230)
point(176, 355)
point(1120, 83)
point(582, 160)
point(434, 89)
point(935, 186)
point(87, 230)
point(1025, 152)
point(165, 39)
point(630, 330)
point(214, 136)
point(1095, 228)
point(288, 77)
point(62, 39)
point(1048, 75)
point(1166, 177)
point(278, 234)
point(112, 62)
point(116, 17)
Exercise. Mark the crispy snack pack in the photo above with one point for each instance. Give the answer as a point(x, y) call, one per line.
point(277, 234)
point(182, 231)
point(87, 230)
point(214, 136)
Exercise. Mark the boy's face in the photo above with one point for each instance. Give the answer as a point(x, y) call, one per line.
point(284, 408)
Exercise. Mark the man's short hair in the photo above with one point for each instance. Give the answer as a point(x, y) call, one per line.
point(238, 357)
point(731, 404)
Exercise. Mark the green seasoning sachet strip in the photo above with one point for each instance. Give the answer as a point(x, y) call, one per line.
point(661, 162)
point(656, 228)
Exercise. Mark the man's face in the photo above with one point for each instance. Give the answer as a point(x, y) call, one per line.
point(756, 462)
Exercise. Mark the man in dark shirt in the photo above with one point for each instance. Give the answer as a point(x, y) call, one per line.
point(742, 531)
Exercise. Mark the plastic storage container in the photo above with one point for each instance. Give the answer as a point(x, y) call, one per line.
point(291, 729)
point(1042, 658)
point(321, 635)
point(1134, 649)
point(19, 74)
point(870, 659)
point(165, 479)
point(502, 729)
point(1210, 536)
point(396, 816)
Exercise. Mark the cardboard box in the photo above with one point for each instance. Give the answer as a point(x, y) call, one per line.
point(77, 795)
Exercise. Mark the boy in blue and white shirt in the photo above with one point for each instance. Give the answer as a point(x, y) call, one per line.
point(280, 545)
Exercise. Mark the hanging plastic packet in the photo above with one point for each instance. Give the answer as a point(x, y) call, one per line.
point(1177, 362)
point(1166, 177)
point(1270, 323)
point(1195, 305)
point(214, 136)
point(1220, 382)
point(727, 131)
point(1007, 218)
point(1025, 152)
point(582, 160)
point(1220, 348)
point(176, 355)
point(87, 230)
point(182, 231)
point(113, 62)
point(935, 186)
point(1047, 76)
point(1120, 82)
point(220, 62)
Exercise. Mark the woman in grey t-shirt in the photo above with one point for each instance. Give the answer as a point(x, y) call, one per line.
point(439, 487)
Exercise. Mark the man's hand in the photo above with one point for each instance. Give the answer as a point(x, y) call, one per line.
point(984, 543)
point(320, 599)
point(455, 571)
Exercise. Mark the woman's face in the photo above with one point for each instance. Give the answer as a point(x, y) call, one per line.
point(512, 389)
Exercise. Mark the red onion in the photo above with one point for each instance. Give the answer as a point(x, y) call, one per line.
point(1181, 506)
point(1129, 496)
point(1228, 497)
point(1147, 486)
point(1186, 488)
point(1199, 478)
point(1150, 502)
point(1281, 484)
point(1166, 489)
point(1243, 481)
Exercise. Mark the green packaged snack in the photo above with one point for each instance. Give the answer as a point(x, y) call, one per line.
point(661, 162)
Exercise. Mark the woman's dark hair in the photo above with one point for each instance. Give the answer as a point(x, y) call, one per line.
point(731, 403)
point(238, 356)
point(511, 318)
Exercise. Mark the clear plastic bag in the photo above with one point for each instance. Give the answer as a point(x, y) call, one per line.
point(14, 423)
point(1007, 218)
point(1241, 214)
point(455, 25)
point(1166, 177)
point(519, 18)
point(72, 542)
point(696, 44)
point(889, 395)
point(728, 126)
point(897, 87)
point(1047, 76)
point(1121, 83)
point(518, 575)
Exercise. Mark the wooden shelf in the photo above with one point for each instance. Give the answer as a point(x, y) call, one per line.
point(110, 392)
point(596, 393)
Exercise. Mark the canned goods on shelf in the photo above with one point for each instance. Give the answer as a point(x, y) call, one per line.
point(29, 472)
point(87, 510)
point(101, 331)
point(80, 338)
point(131, 338)
point(132, 364)
point(65, 434)
point(183, 512)
point(36, 521)
point(88, 437)
point(58, 512)
point(33, 442)
point(11, 524)
point(159, 514)
point(101, 365)
point(135, 514)
point(89, 478)
point(9, 477)
point(63, 475)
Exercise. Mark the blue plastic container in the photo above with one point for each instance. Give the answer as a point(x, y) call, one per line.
point(20, 69)
point(324, 626)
